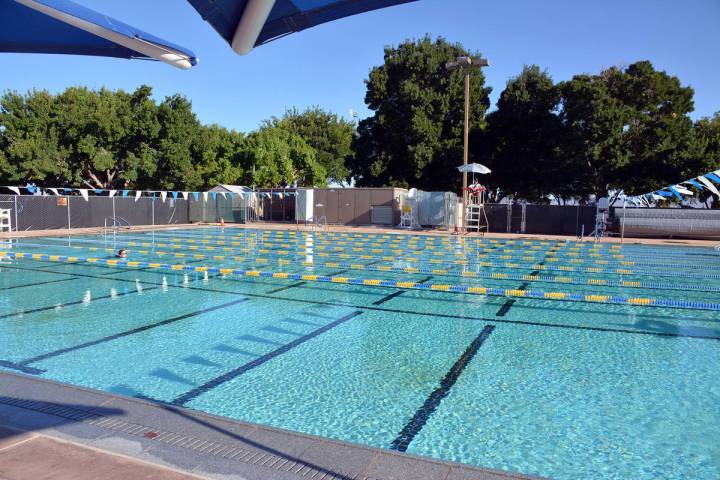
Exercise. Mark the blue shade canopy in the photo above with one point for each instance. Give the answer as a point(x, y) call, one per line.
point(61, 26)
point(248, 23)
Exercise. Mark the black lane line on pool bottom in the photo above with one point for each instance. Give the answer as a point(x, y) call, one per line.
point(502, 311)
point(298, 284)
point(417, 422)
point(415, 312)
point(126, 333)
point(22, 366)
point(39, 283)
point(286, 287)
point(76, 302)
point(216, 382)
point(399, 292)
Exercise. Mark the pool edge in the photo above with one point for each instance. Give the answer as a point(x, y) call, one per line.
point(168, 436)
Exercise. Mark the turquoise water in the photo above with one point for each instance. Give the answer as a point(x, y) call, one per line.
point(561, 389)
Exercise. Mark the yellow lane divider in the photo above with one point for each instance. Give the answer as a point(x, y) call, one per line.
point(464, 289)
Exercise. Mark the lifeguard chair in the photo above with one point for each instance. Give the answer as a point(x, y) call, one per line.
point(475, 215)
point(409, 211)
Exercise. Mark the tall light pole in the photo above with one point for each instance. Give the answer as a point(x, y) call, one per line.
point(466, 64)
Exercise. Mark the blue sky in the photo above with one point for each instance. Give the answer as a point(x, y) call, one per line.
point(326, 65)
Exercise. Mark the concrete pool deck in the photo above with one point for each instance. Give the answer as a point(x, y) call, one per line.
point(369, 229)
point(81, 433)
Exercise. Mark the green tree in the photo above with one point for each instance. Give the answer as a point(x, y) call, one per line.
point(627, 129)
point(29, 139)
point(330, 136)
point(522, 142)
point(705, 154)
point(179, 128)
point(218, 155)
point(275, 157)
point(414, 137)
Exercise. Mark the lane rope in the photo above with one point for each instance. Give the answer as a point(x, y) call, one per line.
point(463, 289)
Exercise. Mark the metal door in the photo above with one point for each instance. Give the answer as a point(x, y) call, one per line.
point(362, 206)
point(332, 199)
point(346, 206)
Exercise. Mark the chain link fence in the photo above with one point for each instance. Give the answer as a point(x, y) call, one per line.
point(35, 212)
point(540, 219)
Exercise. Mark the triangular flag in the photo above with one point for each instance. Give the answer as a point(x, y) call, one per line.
point(694, 183)
point(205, 196)
point(112, 193)
point(54, 190)
point(163, 195)
point(675, 192)
point(655, 196)
point(223, 194)
point(84, 193)
point(709, 185)
point(185, 195)
point(137, 195)
point(98, 191)
point(15, 189)
point(125, 193)
point(683, 190)
point(196, 195)
point(713, 177)
point(214, 195)
point(174, 195)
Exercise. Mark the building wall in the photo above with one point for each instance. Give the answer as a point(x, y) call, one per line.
point(353, 206)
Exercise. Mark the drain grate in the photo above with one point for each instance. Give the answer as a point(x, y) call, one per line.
point(174, 439)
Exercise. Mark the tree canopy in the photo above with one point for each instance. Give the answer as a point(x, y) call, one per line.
point(621, 128)
point(329, 135)
point(116, 139)
point(414, 139)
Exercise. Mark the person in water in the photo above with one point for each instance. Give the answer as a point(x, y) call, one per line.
point(122, 253)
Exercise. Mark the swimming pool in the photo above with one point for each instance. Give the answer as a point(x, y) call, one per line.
point(557, 359)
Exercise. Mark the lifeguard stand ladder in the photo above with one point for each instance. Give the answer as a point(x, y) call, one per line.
point(409, 212)
point(5, 220)
point(475, 216)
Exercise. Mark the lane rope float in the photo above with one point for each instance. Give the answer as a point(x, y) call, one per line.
point(463, 289)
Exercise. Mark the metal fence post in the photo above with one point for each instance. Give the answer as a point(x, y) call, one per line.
point(113, 205)
point(153, 210)
point(16, 213)
point(508, 227)
point(68, 211)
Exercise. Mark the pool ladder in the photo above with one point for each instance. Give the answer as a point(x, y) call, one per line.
point(116, 223)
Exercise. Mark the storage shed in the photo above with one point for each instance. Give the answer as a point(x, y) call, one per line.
point(358, 206)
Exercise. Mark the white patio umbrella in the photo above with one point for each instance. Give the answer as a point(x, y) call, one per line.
point(474, 168)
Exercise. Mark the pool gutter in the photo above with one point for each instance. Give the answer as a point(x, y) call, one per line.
point(206, 445)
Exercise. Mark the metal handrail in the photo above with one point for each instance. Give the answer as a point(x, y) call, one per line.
point(120, 222)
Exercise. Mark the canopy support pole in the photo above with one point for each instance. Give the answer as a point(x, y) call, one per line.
point(251, 24)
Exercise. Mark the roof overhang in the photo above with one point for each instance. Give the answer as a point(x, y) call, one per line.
point(62, 26)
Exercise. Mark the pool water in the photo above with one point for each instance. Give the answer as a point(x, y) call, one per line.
point(536, 385)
